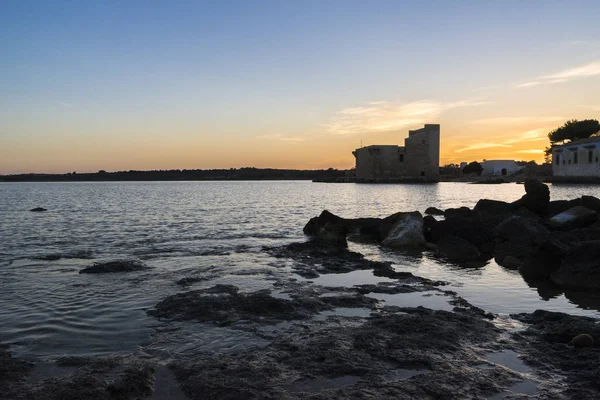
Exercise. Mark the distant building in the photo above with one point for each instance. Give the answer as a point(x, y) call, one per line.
point(577, 159)
point(500, 167)
point(418, 159)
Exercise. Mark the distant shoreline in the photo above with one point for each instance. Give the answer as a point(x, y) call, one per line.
point(233, 174)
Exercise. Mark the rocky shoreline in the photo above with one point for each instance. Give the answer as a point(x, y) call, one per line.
point(328, 341)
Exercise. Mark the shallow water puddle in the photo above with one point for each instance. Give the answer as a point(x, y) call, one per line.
point(525, 387)
point(416, 299)
point(402, 373)
point(349, 279)
point(508, 359)
point(323, 383)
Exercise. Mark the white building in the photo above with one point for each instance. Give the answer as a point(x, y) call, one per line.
point(578, 158)
point(500, 167)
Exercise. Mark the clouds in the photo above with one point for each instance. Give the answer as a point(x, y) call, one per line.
point(566, 75)
point(533, 135)
point(518, 120)
point(478, 146)
point(288, 139)
point(386, 116)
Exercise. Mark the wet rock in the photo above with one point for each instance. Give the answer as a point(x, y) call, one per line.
point(536, 198)
point(545, 260)
point(224, 305)
point(38, 209)
point(135, 382)
point(457, 249)
point(576, 217)
point(434, 211)
point(582, 340)
point(580, 267)
point(461, 212)
point(511, 262)
point(518, 237)
point(493, 211)
point(367, 358)
point(12, 373)
point(329, 228)
point(190, 280)
point(114, 266)
point(406, 230)
point(558, 206)
point(545, 344)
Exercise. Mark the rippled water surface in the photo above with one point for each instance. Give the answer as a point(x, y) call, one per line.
point(49, 309)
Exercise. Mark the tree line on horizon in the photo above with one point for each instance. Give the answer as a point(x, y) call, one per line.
point(245, 173)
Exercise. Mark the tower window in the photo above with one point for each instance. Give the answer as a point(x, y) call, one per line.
point(575, 158)
point(590, 156)
point(557, 159)
point(401, 157)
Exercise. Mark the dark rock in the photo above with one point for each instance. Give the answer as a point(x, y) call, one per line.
point(38, 209)
point(135, 382)
point(12, 372)
point(224, 305)
point(457, 249)
point(582, 340)
point(580, 267)
point(114, 266)
point(493, 211)
point(545, 260)
point(406, 230)
point(591, 202)
point(315, 224)
point(537, 197)
point(558, 206)
point(462, 212)
point(576, 217)
point(518, 237)
point(511, 262)
point(434, 211)
point(430, 228)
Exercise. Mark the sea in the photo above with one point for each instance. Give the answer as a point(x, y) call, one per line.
point(49, 310)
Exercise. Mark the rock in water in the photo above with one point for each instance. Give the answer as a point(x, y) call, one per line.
point(406, 230)
point(434, 211)
point(576, 217)
point(38, 209)
point(581, 267)
point(114, 266)
point(457, 249)
point(582, 340)
point(537, 197)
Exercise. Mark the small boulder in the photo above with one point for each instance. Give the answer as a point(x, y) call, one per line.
point(38, 209)
point(329, 228)
point(457, 249)
point(591, 202)
point(461, 212)
point(546, 260)
point(511, 262)
point(576, 217)
point(536, 198)
point(580, 268)
point(315, 224)
point(493, 211)
point(582, 340)
point(406, 230)
point(434, 211)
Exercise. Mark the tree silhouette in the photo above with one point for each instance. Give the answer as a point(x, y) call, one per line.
point(473, 168)
point(572, 130)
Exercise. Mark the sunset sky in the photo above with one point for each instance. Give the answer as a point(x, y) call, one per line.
point(90, 85)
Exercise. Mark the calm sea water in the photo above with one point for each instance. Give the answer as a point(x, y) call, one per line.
point(47, 309)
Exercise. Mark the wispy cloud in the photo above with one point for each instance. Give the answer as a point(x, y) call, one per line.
point(67, 105)
point(582, 71)
point(529, 136)
point(518, 120)
point(531, 151)
point(291, 140)
point(478, 146)
point(385, 116)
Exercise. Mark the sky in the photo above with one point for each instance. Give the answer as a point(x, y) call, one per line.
point(120, 85)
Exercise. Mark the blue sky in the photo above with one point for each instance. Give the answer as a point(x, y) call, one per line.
point(148, 84)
